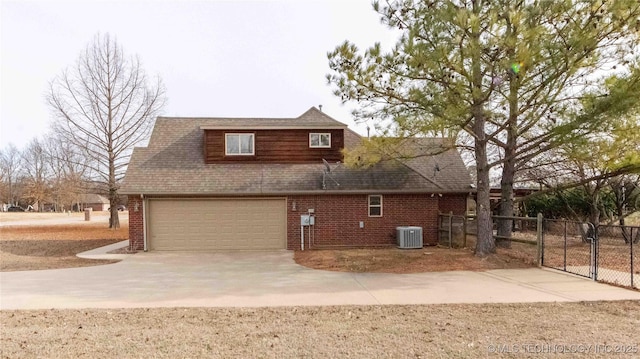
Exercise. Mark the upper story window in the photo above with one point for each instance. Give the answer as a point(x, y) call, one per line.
point(375, 206)
point(320, 140)
point(239, 144)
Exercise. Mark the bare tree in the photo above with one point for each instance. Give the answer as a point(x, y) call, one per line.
point(36, 174)
point(69, 170)
point(10, 166)
point(104, 106)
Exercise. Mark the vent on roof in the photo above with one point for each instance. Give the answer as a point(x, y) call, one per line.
point(409, 237)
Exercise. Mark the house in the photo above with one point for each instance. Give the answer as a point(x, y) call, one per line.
point(246, 183)
point(91, 200)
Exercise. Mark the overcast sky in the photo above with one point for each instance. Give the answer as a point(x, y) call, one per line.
point(216, 58)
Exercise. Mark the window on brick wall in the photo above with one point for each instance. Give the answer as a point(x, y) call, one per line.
point(375, 205)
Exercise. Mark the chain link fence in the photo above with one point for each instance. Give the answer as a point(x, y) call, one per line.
point(607, 253)
point(566, 246)
point(617, 255)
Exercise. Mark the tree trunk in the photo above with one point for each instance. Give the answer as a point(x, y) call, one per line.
point(594, 216)
point(114, 219)
point(485, 243)
point(505, 226)
point(625, 231)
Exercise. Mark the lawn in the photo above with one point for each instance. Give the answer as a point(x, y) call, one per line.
point(394, 260)
point(589, 330)
point(54, 246)
point(538, 330)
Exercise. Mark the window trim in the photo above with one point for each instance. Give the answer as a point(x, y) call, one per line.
point(320, 134)
point(370, 206)
point(239, 134)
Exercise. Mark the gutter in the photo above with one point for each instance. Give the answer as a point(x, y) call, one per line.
point(305, 192)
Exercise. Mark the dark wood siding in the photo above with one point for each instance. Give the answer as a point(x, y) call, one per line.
point(275, 146)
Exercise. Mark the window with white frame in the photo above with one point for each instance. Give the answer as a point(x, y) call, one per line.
point(320, 140)
point(239, 144)
point(375, 206)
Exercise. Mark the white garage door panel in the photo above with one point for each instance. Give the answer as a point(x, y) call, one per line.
point(217, 224)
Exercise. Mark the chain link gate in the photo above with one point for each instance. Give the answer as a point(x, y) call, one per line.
point(566, 246)
point(604, 253)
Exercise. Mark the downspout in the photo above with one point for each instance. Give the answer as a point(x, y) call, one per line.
point(144, 221)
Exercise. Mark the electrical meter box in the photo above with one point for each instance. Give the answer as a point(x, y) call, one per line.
point(307, 220)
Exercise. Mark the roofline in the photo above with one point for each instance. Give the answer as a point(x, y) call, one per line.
point(275, 127)
point(354, 132)
point(293, 193)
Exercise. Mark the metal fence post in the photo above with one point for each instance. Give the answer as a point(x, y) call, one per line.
point(594, 252)
point(564, 248)
point(539, 254)
point(631, 253)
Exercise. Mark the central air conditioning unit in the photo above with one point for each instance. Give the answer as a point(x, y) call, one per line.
point(409, 237)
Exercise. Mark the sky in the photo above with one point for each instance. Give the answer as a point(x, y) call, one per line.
point(215, 58)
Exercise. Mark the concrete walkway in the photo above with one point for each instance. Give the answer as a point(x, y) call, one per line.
point(256, 279)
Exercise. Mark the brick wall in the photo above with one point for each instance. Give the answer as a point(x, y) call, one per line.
point(136, 223)
point(338, 219)
point(453, 203)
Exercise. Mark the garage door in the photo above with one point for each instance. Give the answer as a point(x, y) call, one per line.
point(217, 224)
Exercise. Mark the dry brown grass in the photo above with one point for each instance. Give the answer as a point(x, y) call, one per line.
point(8, 217)
point(50, 247)
point(424, 331)
point(613, 253)
point(394, 260)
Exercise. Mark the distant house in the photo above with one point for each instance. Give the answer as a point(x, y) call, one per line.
point(250, 183)
point(93, 201)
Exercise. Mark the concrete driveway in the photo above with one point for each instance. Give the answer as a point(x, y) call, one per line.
point(256, 279)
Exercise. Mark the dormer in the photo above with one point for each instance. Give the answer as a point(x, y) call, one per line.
point(306, 139)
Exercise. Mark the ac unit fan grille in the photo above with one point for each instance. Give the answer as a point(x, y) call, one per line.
point(409, 237)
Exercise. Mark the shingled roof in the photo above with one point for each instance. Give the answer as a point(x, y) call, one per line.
point(92, 198)
point(173, 164)
point(312, 119)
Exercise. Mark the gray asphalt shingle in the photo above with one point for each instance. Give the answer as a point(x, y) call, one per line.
point(173, 164)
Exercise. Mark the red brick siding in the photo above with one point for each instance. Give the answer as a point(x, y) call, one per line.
point(136, 223)
point(338, 217)
point(453, 203)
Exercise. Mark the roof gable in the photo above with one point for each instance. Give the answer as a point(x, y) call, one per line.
point(173, 164)
point(311, 119)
